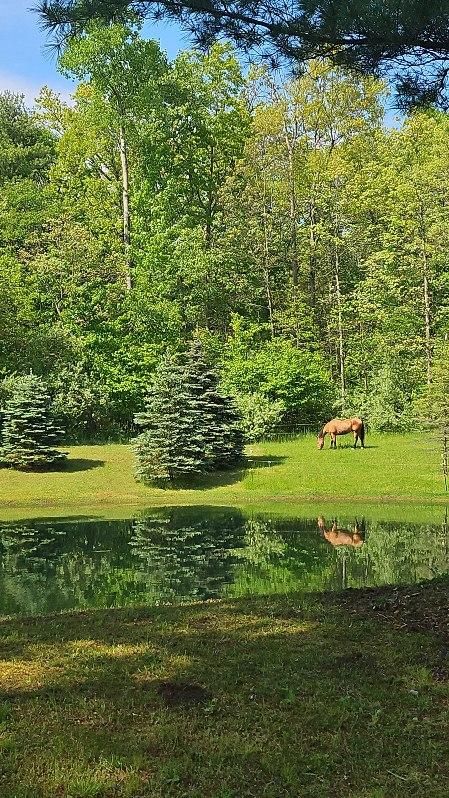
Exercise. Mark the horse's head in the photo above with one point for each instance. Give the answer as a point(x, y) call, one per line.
point(320, 441)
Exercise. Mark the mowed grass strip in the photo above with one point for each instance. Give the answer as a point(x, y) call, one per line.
point(393, 467)
point(293, 696)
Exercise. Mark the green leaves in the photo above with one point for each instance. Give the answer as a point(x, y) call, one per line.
point(279, 372)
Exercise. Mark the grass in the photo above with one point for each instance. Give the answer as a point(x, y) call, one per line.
point(401, 468)
point(259, 698)
point(292, 696)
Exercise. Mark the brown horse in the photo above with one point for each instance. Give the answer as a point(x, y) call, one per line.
point(341, 426)
point(342, 537)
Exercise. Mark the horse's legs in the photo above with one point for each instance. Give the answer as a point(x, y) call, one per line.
point(356, 437)
point(333, 440)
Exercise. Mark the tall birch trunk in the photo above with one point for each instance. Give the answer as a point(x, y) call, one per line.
point(293, 213)
point(426, 300)
point(341, 351)
point(125, 207)
point(266, 258)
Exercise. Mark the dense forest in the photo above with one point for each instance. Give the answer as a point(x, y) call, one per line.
point(280, 222)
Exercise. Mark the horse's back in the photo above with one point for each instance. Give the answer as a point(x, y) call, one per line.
point(340, 426)
point(342, 537)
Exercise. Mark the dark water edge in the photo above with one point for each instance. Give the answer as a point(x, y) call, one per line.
point(180, 554)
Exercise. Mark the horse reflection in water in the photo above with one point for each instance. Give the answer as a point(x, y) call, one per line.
point(342, 537)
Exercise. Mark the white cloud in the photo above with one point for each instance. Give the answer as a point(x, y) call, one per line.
point(22, 85)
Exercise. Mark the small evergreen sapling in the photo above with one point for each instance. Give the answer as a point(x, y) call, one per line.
point(29, 434)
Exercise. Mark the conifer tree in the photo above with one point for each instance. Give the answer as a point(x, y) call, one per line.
point(169, 447)
point(188, 427)
point(219, 416)
point(409, 40)
point(29, 432)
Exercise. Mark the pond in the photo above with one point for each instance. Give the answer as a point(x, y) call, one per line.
point(180, 554)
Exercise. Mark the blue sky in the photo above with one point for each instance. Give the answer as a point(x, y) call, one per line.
point(26, 61)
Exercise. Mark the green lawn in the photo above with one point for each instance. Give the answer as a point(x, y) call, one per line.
point(288, 697)
point(402, 468)
point(294, 696)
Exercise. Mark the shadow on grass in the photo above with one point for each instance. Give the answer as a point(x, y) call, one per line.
point(288, 685)
point(351, 446)
point(79, 464)
point(219, 479)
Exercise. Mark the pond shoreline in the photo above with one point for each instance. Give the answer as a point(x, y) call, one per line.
point(422, 607)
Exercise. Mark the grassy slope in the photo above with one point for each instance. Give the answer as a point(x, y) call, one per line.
point(305, 698)
point(402, 468)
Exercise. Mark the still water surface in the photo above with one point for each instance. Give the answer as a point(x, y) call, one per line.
point(181, 554)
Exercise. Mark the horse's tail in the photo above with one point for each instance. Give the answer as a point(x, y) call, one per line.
point(362, 432)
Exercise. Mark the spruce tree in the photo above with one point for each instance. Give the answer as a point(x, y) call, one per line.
point(188, 427)
point(219, 416)
point(29, 432)
point(169, 448)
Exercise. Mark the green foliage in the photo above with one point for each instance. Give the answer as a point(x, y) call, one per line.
point(385, 408)
point(27, 147)
point(189, 427)
point(29, 433)
point(279, 372)
point(260, 416)
point(83, 405)
point(433, 403)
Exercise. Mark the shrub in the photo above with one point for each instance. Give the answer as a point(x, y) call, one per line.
point(384, 407)
point(260, 416)
point(279, 372)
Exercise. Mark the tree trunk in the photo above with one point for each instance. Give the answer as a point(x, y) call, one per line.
point(312, 257)
point(125, 207)
point(293, 214)
point(426, 300)
point(427, 320)
point(210, 199)
point(341, 353)
point(266, 258)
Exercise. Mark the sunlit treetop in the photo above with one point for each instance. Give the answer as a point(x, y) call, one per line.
point(407, 39)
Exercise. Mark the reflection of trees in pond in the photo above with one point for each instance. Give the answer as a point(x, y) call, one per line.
point(406, 553)
point(184, 553)
point(61, 565)
point(188, 552)
point(280, 555)
point(393, 553)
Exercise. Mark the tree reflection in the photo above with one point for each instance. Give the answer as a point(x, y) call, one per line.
point(187, 552)
point(192, 553)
